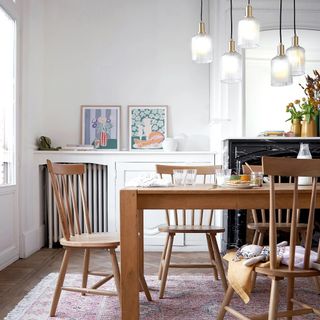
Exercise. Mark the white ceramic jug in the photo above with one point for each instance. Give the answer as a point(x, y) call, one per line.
point(169, 144)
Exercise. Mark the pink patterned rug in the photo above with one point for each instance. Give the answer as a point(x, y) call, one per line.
point(186, 298)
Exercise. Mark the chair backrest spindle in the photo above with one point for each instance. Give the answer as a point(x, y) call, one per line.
point(66, 178)
point(192, 216)
point(274, 166)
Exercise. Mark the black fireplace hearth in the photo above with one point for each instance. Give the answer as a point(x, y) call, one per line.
point(239, 151)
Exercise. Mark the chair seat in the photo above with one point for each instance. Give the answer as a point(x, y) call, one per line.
point(283, 271)
point(280, 226)
point(191, 229)
point(92, 240)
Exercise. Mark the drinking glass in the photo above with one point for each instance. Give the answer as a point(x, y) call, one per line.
point(178, 177)
point(190, 176)
point(222, 175)
point(256, 179)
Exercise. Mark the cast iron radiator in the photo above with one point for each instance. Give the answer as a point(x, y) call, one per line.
point(96, 188)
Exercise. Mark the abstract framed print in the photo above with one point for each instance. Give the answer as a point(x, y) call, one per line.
point(101, 126)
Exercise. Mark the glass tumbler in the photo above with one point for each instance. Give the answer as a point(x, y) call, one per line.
point(222, 175)
point(190, 176)
point(178, 177)
point(256, 179)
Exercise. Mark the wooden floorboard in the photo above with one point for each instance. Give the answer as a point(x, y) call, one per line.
point(21, 276)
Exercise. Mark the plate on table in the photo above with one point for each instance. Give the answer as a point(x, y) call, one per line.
point(238, 185)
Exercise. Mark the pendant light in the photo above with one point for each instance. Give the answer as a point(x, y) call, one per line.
point(231, 64)
point(248, 30)
point(280, 65)
point(201, 44)
point(296, 54)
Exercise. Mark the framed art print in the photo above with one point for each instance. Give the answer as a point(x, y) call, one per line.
point(101, 126)
point(147, 127)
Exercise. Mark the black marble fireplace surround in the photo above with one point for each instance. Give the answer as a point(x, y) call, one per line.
point(239, 151)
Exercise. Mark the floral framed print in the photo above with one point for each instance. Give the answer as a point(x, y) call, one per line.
point(101, 126)
point(147, 126)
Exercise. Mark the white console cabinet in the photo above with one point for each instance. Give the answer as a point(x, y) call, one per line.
point(122, 167)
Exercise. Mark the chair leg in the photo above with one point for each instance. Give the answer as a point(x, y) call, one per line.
point(225, 302)
point(212, 258)
point(274, 299)
point(62, 273)
point(218, 261)
point(85, 269)
point(290, 295)
point(145, 288)
point(115, 269)
point(253, 279)
point(317, 283)
point(166, 266)
point(163, 255)
point(260, 241)
point(255, 237)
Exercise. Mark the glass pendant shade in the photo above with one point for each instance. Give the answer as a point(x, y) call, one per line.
point(231, 65)
point(248, 31)
point(201, 46)
point(296, 56)
point(280, 69)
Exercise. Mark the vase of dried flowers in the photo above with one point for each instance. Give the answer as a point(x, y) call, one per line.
point(311, 105)
point(294, 109)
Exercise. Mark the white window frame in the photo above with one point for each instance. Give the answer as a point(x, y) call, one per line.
point(13, 9)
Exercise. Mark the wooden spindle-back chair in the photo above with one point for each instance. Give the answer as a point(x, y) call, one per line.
point(260, 224)
point(275, 166)
point(190, 222)
point(72, 209)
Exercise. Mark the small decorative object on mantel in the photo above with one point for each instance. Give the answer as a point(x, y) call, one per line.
point(147, 127)
point(78, 147)
point(169, 145)
point(272, 133)
point(44, 143)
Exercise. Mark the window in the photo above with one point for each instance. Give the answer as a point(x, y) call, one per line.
point(7, 98)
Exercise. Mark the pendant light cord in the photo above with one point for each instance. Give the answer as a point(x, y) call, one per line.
point(294, 17)
point(201, 10)
point(249, 2)
point(280, 27)
point(231, 21)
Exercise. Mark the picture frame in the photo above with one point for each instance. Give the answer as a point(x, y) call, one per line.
point(147, 126)
point(100, 126)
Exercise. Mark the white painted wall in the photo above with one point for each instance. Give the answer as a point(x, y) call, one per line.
point(114, 52)
point(120, 52)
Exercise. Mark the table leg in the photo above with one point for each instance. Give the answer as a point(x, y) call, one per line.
point(143, 283)
point(129, 248)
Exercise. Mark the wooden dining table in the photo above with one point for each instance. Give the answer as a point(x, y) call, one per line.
point(134, 200)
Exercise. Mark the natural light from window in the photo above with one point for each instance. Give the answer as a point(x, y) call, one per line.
point(7, 98)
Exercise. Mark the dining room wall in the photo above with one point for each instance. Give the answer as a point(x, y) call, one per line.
point(112, 52)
